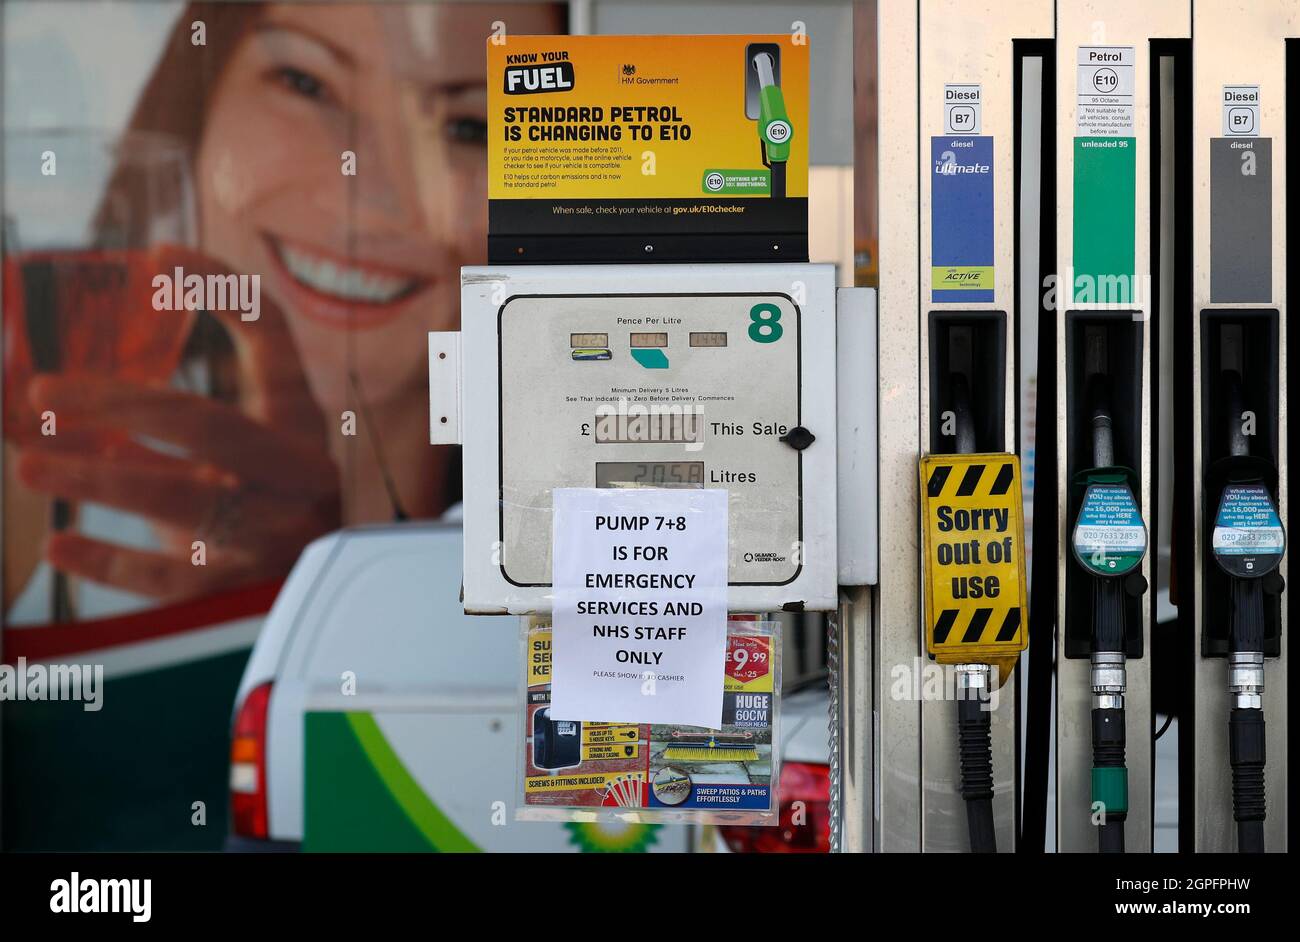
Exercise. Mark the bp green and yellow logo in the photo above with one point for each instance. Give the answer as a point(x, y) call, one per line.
point(612, 837)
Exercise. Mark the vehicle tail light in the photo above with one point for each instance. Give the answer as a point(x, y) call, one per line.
point(805, 816)
point(248, 766)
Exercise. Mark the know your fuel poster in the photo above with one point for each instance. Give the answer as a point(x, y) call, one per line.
point(648, 148)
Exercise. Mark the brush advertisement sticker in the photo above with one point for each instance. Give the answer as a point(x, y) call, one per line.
point(731, 768)
point(647, 772)
point(613, 140)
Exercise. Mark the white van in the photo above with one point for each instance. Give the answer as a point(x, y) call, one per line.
point(374, 715)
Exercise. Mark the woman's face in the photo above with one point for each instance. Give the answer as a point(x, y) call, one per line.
point(370, 259)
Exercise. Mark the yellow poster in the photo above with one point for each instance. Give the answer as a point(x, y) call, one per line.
point(650, 138)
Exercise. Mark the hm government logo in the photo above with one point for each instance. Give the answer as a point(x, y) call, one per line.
point(629, 74)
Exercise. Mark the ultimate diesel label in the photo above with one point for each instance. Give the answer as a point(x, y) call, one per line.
point(653, 391)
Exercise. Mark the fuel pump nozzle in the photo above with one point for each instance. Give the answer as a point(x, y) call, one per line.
point(774, 130)
point(1109, 542)
point(1247, 542)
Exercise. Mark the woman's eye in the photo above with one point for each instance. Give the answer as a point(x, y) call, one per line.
point(302, 83)
point(468, 130)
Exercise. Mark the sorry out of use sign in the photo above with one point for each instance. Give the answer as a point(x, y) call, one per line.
point(974, 563)
point(640, 607)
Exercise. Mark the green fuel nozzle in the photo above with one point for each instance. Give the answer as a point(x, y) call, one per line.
point(774, 130)
point(1109, 543)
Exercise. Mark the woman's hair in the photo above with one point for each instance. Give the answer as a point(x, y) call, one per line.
point(174, 105)
point(175, 99)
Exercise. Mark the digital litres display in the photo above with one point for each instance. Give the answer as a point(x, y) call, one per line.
point(649, 473)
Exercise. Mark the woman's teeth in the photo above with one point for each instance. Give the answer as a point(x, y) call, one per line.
point(344, 281)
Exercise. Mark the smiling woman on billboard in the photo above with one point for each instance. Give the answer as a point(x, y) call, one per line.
point(335, 162)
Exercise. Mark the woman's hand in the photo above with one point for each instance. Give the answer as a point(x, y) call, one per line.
point(253, 483)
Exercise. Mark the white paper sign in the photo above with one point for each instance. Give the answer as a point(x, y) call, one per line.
point(640, 605)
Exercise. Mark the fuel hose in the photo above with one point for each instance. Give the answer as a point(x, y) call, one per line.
point(1109, 543)
point(975, 750)
point(974, 732)
point(1247, 542)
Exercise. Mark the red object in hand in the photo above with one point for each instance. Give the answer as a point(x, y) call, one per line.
point(85, 312)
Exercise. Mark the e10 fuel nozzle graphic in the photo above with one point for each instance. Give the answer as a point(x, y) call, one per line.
point(774, 130)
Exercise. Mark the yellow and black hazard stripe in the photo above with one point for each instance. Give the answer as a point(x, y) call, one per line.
point(970, 480)
point(976, 629)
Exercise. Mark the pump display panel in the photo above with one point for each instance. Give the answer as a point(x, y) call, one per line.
point(716, 376)
point(636, 418)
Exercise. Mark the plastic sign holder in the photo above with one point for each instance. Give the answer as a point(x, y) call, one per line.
point(973, 564)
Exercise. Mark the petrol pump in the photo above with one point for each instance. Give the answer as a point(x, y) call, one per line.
point(596, 376)
point(648, 320)
point(1233, 744)
point(1112, 291)
point(948, 74)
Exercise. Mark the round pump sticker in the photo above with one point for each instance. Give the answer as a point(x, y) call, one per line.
point(777, 132)
point(1109, 538)
point(1248, 539)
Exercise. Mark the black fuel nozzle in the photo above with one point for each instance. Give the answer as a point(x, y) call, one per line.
point(1247, 542)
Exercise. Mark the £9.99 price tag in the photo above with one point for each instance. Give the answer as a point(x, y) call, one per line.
point(749, 663)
